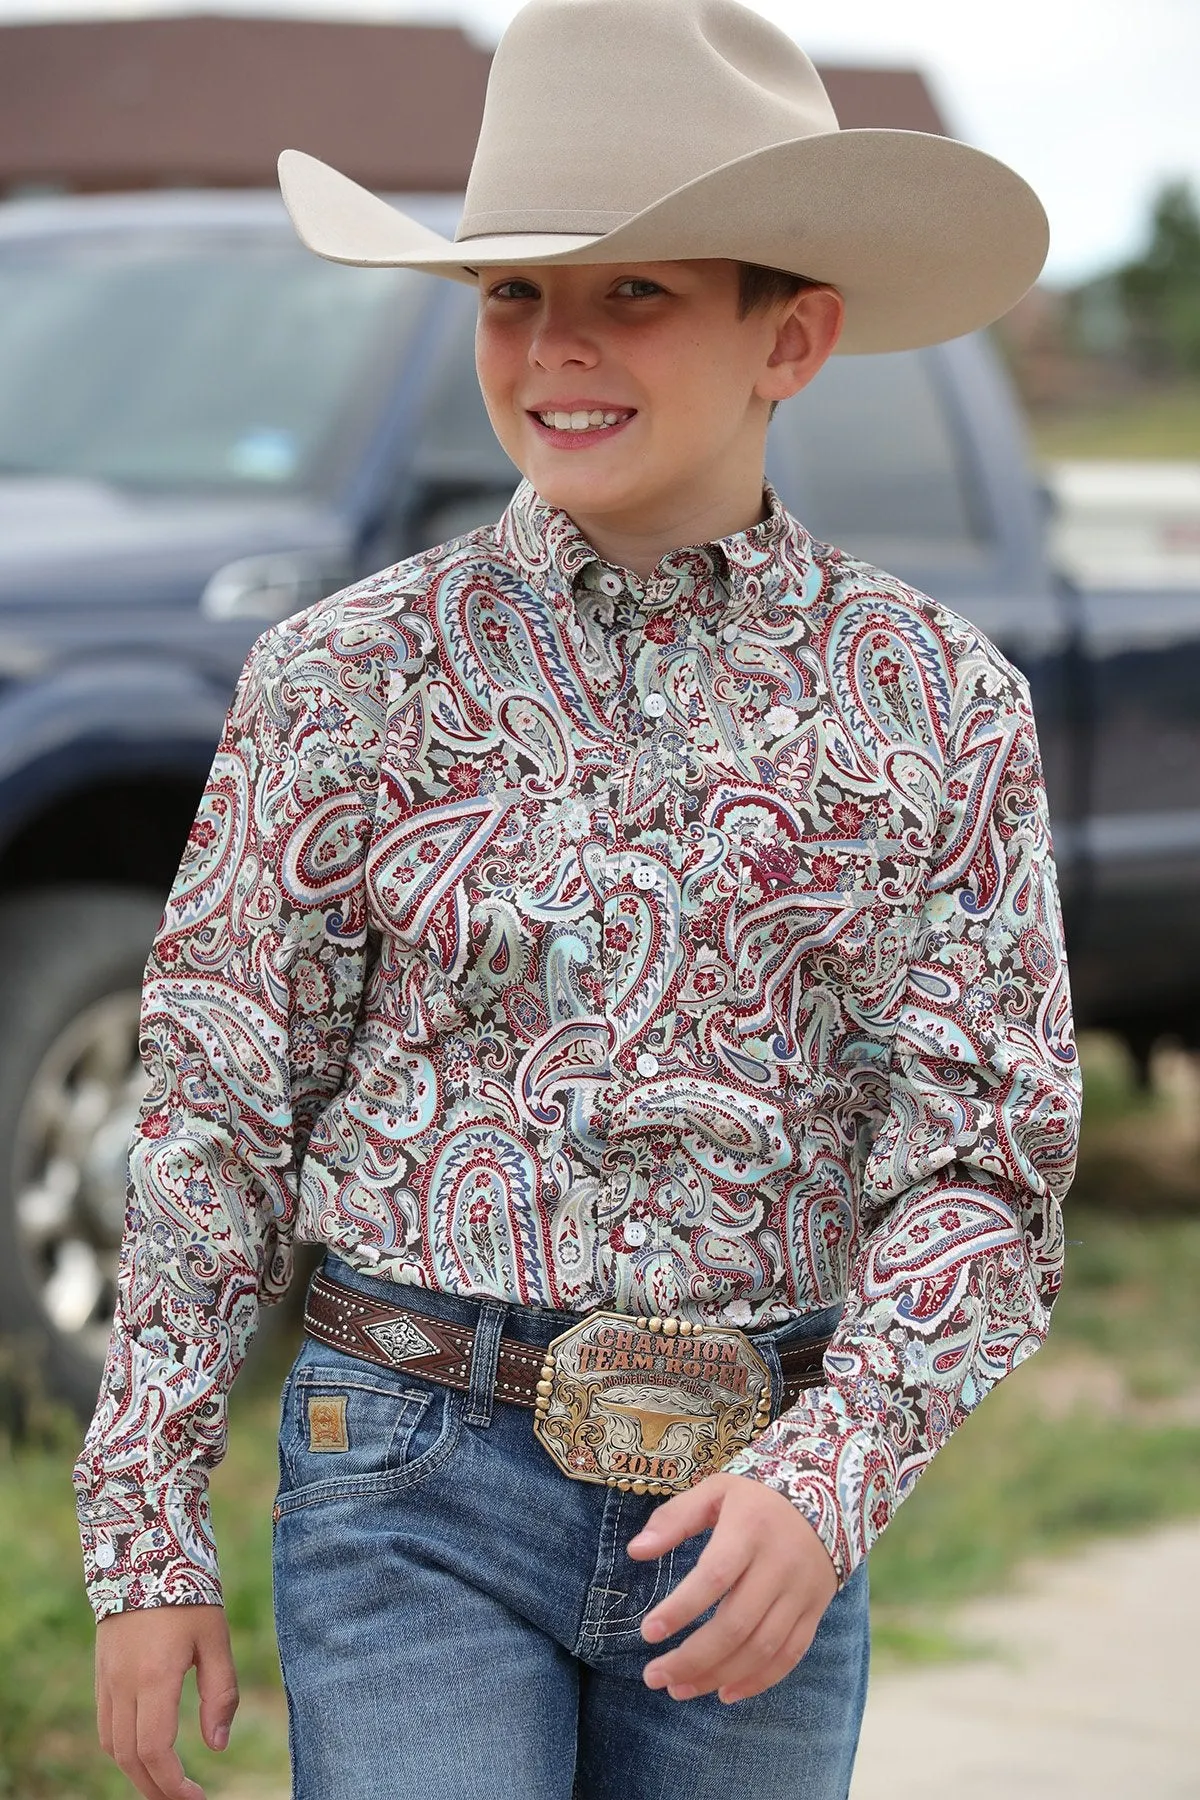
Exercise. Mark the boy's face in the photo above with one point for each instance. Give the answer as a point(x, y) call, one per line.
point(673, 389)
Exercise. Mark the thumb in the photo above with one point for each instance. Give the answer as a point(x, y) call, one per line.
point(682, 1516)
point(216, 1684)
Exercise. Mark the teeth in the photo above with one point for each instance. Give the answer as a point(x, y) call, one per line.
point(579, 421)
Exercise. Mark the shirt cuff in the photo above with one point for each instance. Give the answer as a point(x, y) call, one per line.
point(833, 1472)
point(148, 1547)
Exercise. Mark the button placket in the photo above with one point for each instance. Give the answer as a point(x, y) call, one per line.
point(625, 1233)
point(619, 710)
point(615, 847)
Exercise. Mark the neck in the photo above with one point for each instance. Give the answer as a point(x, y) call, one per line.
point(639, 544)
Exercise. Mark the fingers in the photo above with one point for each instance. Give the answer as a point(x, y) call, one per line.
point(142, 1659)
point(157, 1728)
point(761, 1643)
point(697, 1665)
point(164, 1771)
point(216, 1684)
point(793, 1652)
point(152, 1766)
point(719, 1566)
point(682, 1516)
point(771, 1577)
point(770, 1654)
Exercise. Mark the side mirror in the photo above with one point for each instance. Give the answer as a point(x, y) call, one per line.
point(275, 586)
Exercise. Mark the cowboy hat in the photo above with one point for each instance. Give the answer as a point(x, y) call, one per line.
point(662, 130)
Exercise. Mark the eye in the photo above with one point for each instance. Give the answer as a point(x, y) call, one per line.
point(515, 289)
point(643, 288)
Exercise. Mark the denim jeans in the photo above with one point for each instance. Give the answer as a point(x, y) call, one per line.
point(459, 1620)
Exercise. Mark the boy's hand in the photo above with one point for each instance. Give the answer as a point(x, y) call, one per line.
point(141, 1660)
point(775, 1573)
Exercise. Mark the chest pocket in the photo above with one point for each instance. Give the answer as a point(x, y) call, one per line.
point(819, 922)
point(416, 875)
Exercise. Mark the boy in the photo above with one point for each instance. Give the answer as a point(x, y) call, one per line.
point(627, 938)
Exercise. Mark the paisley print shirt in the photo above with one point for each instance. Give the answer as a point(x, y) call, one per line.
point(685, 946)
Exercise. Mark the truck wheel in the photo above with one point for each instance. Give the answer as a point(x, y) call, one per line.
point(71, 964)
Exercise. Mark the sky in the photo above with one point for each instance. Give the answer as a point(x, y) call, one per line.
point(1094, 102)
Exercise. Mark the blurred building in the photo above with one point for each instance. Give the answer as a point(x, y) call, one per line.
point(210, 101)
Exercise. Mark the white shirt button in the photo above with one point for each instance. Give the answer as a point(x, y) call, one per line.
point(731, 634)
point(104, 1556)
point(654, 705)
point(643, 877)
point(634, 1232)
point(609, 584)
point(647, 1063)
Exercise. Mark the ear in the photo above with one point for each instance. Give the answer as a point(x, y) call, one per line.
point(805, 336)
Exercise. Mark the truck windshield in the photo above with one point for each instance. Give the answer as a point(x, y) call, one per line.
point(189, 359)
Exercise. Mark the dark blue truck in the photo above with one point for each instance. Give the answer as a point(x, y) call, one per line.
point(204, 428)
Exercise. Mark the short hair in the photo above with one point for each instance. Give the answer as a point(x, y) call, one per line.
point(760, 287)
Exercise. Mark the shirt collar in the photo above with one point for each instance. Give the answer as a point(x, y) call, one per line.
point(552, 553)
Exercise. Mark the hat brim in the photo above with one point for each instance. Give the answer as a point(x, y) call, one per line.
point(925, 238)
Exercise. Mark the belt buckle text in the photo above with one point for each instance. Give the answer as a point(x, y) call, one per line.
point(652, 1405)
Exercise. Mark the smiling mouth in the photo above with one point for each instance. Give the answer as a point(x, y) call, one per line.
point(581, 421)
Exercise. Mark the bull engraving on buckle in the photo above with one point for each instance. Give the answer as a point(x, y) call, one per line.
point(649, 1405)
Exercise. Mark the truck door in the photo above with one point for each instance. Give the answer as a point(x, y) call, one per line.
point(1139, 962)
point(916, 462)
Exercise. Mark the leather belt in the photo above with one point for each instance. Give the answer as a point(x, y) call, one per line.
point(399, 1338)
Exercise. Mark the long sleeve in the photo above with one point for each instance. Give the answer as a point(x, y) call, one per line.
point(250, 997)
point(958, 1266)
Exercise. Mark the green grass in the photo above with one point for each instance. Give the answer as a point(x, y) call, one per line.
point(1023, 1478)
point(1130, 1294)
point(1019, 1479)
point(1164, 424)
point(1011, 1485)
point(47, 1732)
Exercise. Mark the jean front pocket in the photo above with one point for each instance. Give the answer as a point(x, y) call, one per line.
point(349, 1428)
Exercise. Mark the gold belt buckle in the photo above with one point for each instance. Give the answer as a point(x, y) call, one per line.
point(649, 1405)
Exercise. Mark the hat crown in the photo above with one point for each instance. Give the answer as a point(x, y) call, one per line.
point(597, 108)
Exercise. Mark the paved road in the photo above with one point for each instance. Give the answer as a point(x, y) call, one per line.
point(1094, 1695)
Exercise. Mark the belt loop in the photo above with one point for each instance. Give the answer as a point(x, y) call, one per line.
point(485, 1351)
point(770, 1356)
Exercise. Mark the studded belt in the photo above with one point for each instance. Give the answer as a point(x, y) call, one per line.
point(647, 1404)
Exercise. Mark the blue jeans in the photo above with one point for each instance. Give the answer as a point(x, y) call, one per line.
point(459, 1620)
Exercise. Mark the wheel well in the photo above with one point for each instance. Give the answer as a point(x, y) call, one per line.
point(129, 832)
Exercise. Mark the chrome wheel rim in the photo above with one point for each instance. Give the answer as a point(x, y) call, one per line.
point(72, 1144)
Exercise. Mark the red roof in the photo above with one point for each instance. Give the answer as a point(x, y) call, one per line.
point(211, 100)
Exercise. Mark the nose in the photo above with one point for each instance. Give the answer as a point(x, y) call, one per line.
point(560, 338)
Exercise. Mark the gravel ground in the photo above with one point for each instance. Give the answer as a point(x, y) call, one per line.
point(1093, 1693)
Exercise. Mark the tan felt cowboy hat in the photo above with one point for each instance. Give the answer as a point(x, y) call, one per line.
point(652, 130)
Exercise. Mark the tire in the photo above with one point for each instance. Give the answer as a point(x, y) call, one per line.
point(71, 966)
point(71, 1082)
